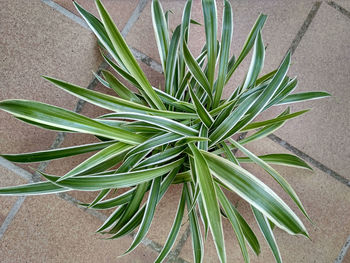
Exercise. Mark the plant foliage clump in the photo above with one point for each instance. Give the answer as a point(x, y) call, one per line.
point(180, 134)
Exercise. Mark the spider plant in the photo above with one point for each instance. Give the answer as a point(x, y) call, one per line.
point(179, 134)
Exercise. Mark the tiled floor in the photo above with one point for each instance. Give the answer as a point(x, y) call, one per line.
point(44, 38)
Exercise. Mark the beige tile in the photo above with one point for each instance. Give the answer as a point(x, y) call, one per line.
point(48, 229)
point(321, 63)
point(36, 41)
point(120, 10)
point(325, 199)
point(8, 178)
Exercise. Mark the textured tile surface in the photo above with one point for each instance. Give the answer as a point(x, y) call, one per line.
point(326, 201)
point(61, 48)
point(120, 10)
point(48, 229)
point(7, 178)
point(322, 133)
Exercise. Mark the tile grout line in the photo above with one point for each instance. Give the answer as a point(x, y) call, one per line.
point(10, 216)
point(66, 13)
point(339, 8)
point(343, 251)
point(309, 159)
point(134, 16)
point(312, 13)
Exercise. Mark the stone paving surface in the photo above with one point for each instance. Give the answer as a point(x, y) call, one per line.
point(43, 38)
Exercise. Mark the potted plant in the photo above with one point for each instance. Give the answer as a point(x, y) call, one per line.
point(179, 134)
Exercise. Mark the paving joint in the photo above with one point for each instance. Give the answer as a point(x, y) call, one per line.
point(339, 8)
point(134, 16)
point(304, 27)
point(17, 205)
point(343, 251)
point(66, 13)
point(309, 159)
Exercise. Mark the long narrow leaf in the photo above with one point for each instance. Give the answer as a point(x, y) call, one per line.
point(265, 228)
point(126, 56)
point(56, 153)
point(206, 186)
point(65, 119)
point(256, 193)
point(226, 36)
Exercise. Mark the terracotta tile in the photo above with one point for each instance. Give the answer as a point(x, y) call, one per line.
point(321, 63)
point(120, 10)
point(8, 178)
point(49, 229)
point(61, 48)
point(325, 199)
point(142, 37)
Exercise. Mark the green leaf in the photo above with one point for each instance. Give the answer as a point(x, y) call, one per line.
point(155, 142)
point(113, 103)
point(160, 31)
point(113, 180)
point(226, 36)
point(256, 125)
point(231, 215)
point(43, 126)
point(265, 96)
point(304, 96)
point(112, 218)
point(56, 153)
point(256, 193)
point(119, 87)
point(61, 118)
point(165, 123)
point(196, 236)
point(195, 70)
point(103, 193)
point(126, 56)
point(113, 202)
point(171, 62)
point(265, 228)
point(174, 230)
point(282, 182)
point(148, 215)
point(102, 156)
point(161, 157)
point(280, 159)
point(210, 24)
point(99, 30)
point(185, 29)
point(229, 123)
point(248, 44)
point(211, 206)
point(33, 189)
point(256, 63)
point(203, 114)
